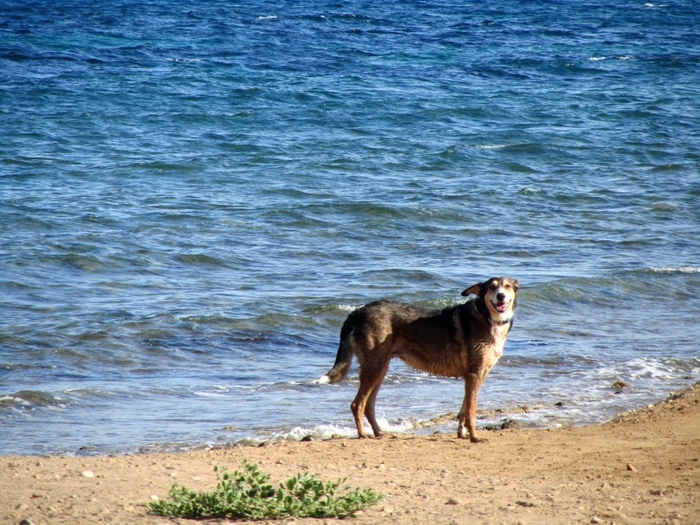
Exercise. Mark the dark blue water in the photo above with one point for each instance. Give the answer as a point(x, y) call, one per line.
point(196, 194)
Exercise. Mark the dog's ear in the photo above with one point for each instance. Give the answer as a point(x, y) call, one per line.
point(516, 285)
point(475, 289)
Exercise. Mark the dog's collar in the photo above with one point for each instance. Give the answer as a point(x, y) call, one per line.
point(501, 323)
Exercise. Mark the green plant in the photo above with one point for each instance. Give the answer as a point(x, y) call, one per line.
point(247, 494)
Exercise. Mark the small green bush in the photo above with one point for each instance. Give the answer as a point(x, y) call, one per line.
point(247, 494)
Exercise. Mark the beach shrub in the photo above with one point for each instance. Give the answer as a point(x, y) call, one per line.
point(247, 494)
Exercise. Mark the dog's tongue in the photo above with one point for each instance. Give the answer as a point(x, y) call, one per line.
point(502, 307)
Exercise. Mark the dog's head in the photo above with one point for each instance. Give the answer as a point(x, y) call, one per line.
point(498, 295)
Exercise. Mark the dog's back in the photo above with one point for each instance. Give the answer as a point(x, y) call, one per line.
point(439, 342)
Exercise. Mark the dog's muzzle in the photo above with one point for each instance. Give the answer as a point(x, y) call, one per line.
point(502, 303)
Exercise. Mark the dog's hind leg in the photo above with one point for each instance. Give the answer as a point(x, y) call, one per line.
point(370, 381)
point(369, 409)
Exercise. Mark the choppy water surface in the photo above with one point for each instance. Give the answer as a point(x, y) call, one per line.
point(195, 195)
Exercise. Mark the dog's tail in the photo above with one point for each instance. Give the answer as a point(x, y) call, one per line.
point(343, 359)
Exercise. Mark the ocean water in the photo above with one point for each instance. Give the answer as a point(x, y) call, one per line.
point(194, 195)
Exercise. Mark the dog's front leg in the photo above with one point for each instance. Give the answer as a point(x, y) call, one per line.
point(467, 415)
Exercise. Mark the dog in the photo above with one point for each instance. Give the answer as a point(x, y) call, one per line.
point(463, 341)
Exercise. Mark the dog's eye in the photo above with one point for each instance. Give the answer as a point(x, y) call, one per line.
point(493, 286)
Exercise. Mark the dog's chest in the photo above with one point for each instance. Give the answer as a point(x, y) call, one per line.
point(500, 334)
point(494, 351)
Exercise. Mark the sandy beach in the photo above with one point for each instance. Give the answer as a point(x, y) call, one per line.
point(643, 467)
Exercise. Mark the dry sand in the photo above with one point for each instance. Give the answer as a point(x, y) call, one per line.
point(644, 467)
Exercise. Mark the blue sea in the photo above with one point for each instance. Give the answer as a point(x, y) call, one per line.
point(195, 194)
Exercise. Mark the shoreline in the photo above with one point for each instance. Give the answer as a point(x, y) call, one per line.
point(544, 415)
point(641, 467)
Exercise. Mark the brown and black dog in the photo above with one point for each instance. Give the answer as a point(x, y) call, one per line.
point(463, 341)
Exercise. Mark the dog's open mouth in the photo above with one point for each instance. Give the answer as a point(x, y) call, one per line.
point(502, 307)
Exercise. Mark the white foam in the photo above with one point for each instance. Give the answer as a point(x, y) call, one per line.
point(321, 432)
point(489, 146)
point(346, 307)
point(324, 380)
point(658, 369)
point(404, 425)
point(680, 269)
point(202, 393)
